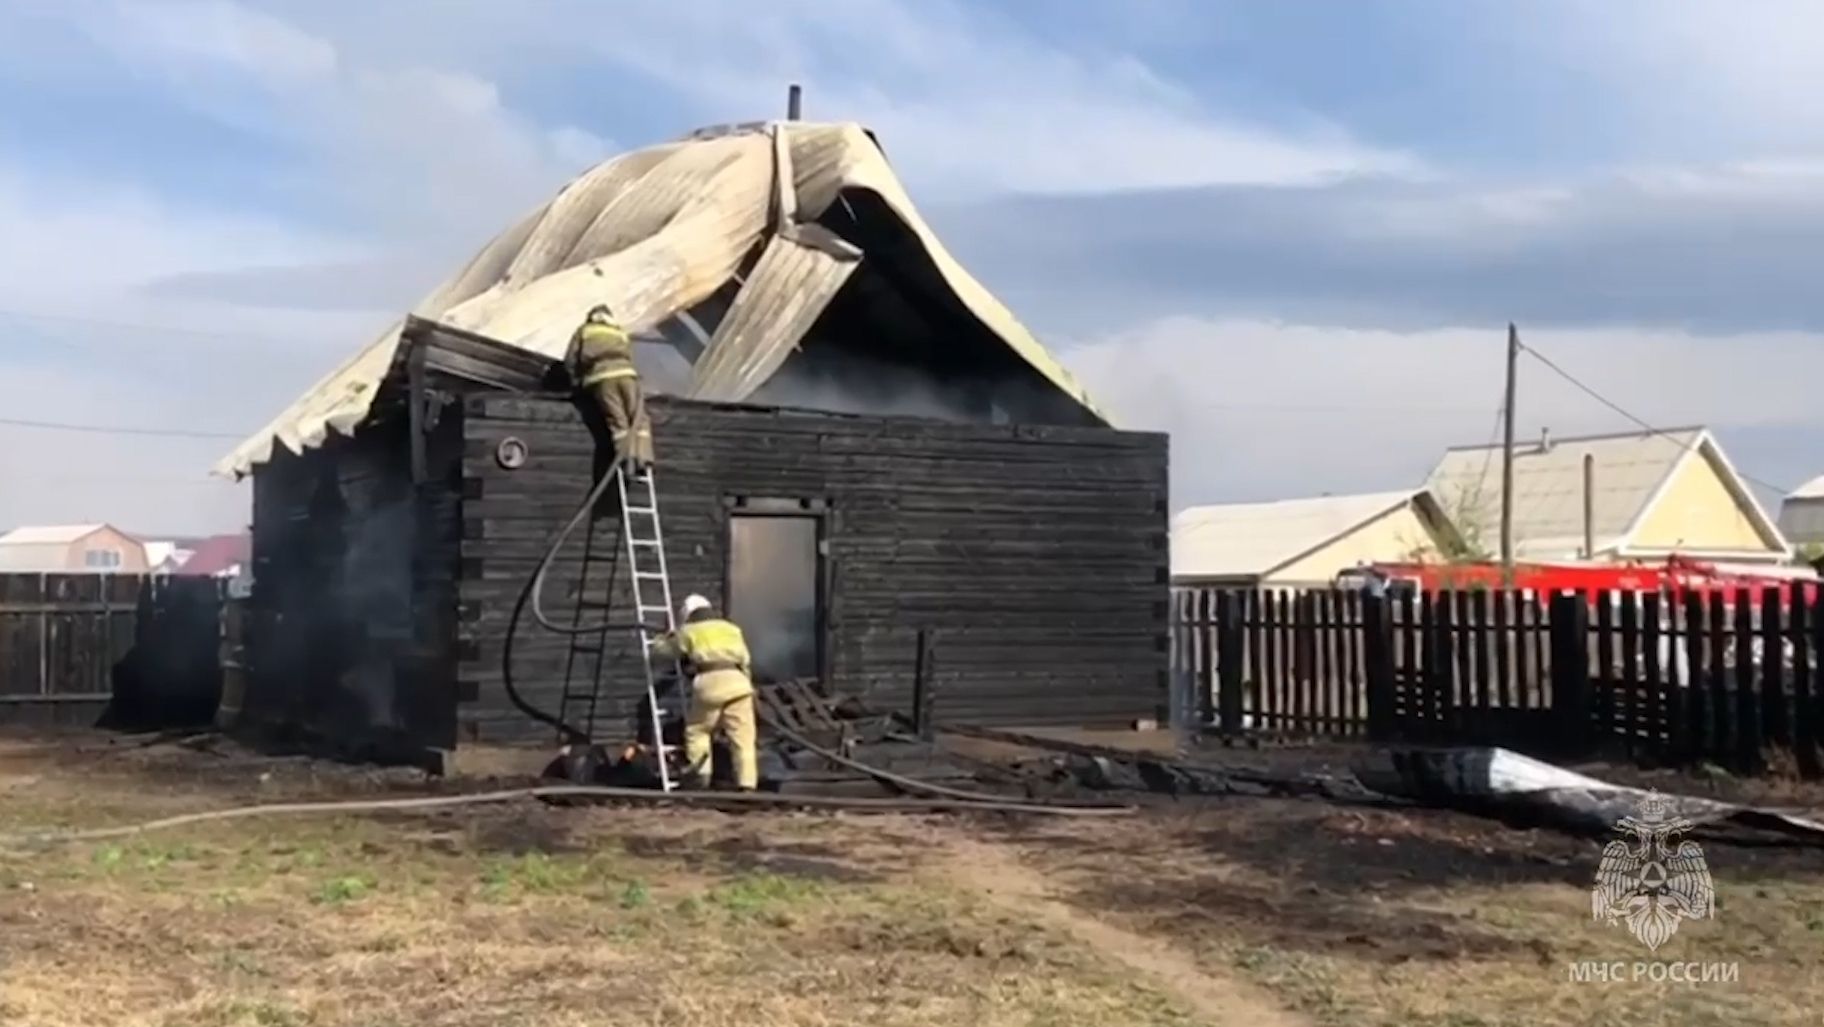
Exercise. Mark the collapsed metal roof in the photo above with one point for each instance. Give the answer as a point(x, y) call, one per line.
point(656, 232)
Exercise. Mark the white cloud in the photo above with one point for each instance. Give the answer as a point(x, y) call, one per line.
point(139, 483)
point(1262, 410)
point(81, 245)
point(1687, 75)
point(1724, 248)
point(177, 37)
point(435, 155)
point(399, 121)
point(965, 100)
point(84, 343)
point(409, 156)
point(407, 149)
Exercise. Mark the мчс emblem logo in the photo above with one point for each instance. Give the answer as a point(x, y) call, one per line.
point(1656, 882)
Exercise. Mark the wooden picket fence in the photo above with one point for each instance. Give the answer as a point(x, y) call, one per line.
point(75, 646)
point(1734, 678)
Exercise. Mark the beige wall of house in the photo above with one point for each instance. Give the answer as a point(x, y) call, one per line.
point(114, 552)
point(1697, 512)
point(1395, 536)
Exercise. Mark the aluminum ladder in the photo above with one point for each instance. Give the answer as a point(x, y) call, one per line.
point(643, 542)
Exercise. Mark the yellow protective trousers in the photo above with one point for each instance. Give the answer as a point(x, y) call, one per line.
point(623, 406)
point(722, 699)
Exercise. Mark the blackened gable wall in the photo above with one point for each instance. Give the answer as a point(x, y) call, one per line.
point(350, 630)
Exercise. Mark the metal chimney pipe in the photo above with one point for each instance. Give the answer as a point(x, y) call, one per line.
point(1589, 506)
point(794, 101)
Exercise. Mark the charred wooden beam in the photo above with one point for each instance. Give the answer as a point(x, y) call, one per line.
point(924, 689)
point(416, 412)
point(477, 360)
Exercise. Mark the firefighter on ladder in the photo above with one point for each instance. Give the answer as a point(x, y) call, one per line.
point(601, 362)
point(714, 654)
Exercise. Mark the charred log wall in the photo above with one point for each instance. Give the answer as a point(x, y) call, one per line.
point(350, 632)
point(1036, 556)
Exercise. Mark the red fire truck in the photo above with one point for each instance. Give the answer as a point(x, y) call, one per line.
point(1677, 575)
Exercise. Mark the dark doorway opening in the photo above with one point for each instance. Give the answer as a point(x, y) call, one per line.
point(774, 593)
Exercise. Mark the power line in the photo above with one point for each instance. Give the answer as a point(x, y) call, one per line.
point(97, 429)
point(197, 480)
point(1616, 407)
point(1488, 458)
point(1342, 408)
point(90, 322)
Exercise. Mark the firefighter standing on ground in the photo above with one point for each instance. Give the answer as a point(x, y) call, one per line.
point(601, 361)
point(714, 654)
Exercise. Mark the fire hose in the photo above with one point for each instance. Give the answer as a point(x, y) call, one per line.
point(533, 593)
point(710, 800)
point(913, 784)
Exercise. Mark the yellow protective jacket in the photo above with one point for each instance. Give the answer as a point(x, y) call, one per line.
point(600, 352)
point(707, 646)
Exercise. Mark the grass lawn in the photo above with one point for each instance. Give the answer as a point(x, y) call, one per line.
point(1249, 912)
point(1383, 917)
point(448, 921)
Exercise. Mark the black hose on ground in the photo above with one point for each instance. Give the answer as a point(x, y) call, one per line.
point(710, 800)
point(911, 784)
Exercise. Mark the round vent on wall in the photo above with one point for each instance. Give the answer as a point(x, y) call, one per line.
point(511, 453)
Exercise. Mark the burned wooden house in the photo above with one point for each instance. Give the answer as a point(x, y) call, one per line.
point(859, 449)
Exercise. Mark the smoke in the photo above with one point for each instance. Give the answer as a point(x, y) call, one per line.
point(835, 378)
point(859, 385)
point(339, 534)
point(663, 368)
point(833, 369)
point(773, 565)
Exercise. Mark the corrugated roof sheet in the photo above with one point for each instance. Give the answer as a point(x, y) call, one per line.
point(216, 555)
point(1813, 489)
point(652, 233)
point(1548, 485)
point(805, 267)
point(49, 534)
point(34, 557)
point(1251, 539)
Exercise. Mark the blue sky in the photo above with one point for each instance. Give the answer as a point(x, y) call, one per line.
point(1291, 233)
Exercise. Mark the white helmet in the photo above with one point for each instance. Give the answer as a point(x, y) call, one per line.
point(693, 603)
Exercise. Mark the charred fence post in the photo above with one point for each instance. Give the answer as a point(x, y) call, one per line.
point(1815, 677)
point(1377, 652)
point(1378, 655)
point(1747, 697)
point(1699, 735)
point(1228, 652)
point(1804, 725)
point(1570, 634)
point(1186, 668)
point(1204, 707)
point(924, 689)
point(1776, 722)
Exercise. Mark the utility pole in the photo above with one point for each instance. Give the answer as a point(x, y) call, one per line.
point(1507, 460)
point(1589, 506)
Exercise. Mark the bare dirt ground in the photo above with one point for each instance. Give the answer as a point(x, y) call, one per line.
point(1235, 911)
